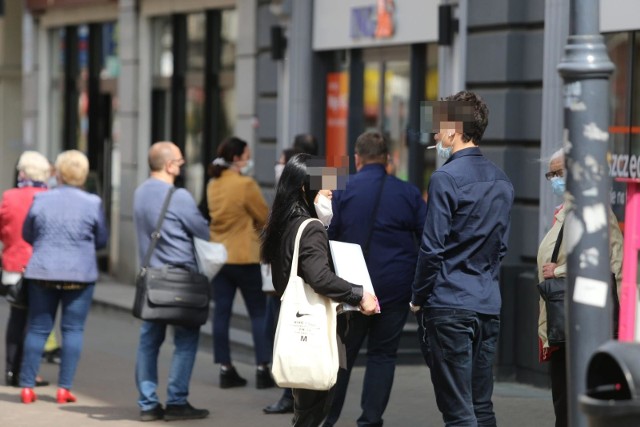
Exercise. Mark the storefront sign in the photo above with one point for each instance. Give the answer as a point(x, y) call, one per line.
point(624, 166)
point(347, 24)
point(377, 22)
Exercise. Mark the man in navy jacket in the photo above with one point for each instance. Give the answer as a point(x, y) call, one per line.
point(456, 293)
point(385, 216)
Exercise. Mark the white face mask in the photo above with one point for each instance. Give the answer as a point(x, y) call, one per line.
point(247, 169)
point(324, 209)
point(278, 169)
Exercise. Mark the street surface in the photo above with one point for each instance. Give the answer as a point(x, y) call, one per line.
point(106, 390)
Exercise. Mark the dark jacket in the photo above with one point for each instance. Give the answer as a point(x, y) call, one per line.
point(393, 250)
point(314, 264)
point(465, 235)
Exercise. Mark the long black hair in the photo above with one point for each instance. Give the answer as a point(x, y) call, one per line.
point(290, 202)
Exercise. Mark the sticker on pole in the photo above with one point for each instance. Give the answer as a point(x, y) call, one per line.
point(590, 292)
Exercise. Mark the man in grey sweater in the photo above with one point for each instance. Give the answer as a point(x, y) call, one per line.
point(183, 220)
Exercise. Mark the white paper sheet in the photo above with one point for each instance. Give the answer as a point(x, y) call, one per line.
point(349, 264)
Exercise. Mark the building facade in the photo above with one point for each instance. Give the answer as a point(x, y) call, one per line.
point(109, 77)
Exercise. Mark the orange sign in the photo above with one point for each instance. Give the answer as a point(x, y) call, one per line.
point(337, 114)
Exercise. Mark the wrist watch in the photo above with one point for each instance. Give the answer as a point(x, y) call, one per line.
point(414, 308)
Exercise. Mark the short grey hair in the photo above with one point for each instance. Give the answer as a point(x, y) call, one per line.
point(34, 166)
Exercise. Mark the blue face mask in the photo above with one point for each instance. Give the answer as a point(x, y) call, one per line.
point(445, 153)
point(558, 186)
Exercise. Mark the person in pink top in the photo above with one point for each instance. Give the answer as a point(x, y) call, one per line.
point(33, 173)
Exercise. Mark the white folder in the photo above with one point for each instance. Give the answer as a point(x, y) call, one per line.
point(349, 264)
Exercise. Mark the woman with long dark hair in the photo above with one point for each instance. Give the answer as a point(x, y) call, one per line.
point(238, 212)
point(296, 201)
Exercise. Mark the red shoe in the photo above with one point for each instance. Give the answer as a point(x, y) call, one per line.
point(65, 396)
point(27, 395)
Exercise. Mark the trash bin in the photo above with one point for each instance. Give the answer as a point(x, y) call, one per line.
point(612, 397)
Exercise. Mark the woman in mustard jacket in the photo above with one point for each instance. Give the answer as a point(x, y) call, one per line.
point(238, 212)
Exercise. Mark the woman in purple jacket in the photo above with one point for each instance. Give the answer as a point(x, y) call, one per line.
point(65, 226)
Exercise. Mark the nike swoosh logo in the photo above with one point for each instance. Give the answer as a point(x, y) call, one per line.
point(300, 315)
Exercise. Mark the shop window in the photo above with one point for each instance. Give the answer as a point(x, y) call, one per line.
point(193, 99)
point(619, 49)
point(431, 94)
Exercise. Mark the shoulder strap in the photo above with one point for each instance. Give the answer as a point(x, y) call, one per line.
point(296, 247)
point(365, 250)
point(156, 234)
point(556, 249)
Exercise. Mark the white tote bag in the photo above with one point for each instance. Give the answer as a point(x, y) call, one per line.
point(210, 256)
point(305, 349)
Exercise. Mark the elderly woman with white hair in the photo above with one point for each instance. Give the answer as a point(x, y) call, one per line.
point(33, 172)
point(549, 268)
point(65, 226)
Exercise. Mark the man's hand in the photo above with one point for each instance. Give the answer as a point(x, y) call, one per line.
point(548, 269)
point(369, 304)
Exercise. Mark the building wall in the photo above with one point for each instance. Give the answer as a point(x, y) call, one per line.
point(504, 65)
point(11, 144)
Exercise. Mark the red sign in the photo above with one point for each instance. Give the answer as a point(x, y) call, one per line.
point(337, 114)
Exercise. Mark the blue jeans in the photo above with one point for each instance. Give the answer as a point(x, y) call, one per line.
point(383, 331)
point(248, 279)
point(152, 336)
point(43, 304)
point(462, 346)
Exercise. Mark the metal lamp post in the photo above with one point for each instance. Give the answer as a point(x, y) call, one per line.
point(585, 69)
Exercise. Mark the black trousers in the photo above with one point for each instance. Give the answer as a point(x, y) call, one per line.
point(310, 407)
point(16, 330)
point(558, 372)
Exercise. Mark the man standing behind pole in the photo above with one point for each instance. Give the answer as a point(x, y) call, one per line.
point(182, 221)
point(456, 288)
point(384, 215)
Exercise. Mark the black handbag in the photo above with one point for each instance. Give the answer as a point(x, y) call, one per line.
point(16, 294)
point(170, 294)
point(552, 292)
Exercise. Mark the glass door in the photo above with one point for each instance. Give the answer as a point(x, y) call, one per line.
point(386, 98)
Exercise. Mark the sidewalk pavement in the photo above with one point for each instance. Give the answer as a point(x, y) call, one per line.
point(106, 390)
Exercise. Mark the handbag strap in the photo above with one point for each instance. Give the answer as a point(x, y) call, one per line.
point(296, 247)
point(373, 217)
point(156, 233)
point(556, 248)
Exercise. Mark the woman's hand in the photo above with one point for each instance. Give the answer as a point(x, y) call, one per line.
point(369, 304)
point(548, 269)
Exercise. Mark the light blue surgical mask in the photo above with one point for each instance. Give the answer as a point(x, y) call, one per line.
point(445, 153)
point(558, 186)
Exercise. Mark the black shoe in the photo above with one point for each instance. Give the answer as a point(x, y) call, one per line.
point(184, 412)
point(230, 378)
point(11, 379)
point(282, 406)
point(41, 383)
point(264, 379)
point(157, 413)
point(52, 356)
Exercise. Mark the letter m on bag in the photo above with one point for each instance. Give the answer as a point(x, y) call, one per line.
point(303, 338)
